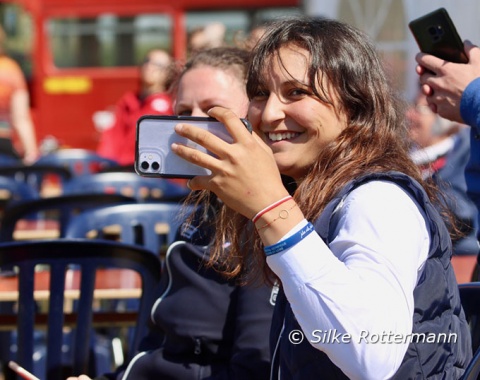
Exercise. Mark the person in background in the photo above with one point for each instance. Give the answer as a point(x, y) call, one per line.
point(361, 254)
point(453, 91)
point(209, 36)
point(206, 326)
point(156, 75)
point(442, 150)
point(253, 37)
point(15, 109)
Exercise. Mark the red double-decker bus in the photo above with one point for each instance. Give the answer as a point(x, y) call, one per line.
point(80, 56)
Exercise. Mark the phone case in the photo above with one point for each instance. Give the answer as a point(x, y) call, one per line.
point(155, 136)
point(436, 34)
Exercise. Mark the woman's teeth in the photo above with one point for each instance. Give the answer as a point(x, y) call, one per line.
point(282, 136)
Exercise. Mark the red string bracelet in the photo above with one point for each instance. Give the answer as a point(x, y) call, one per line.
point(271, 207)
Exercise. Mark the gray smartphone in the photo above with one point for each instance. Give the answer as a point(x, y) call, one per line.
point(155, 136)
point(436, 34)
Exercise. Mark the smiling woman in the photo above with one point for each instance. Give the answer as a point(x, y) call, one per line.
point(358, 246)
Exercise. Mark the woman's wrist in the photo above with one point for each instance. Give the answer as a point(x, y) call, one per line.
point(275, 223)
point(270, 207)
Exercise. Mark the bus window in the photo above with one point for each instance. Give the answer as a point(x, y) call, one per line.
point(107, 40)
point(237, 22)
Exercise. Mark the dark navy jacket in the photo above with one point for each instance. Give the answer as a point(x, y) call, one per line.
point(437, 308)
point(205, 327)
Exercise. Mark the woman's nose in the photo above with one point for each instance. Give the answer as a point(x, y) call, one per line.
point(273, 110)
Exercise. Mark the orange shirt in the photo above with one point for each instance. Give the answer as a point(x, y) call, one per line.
point(11, 79)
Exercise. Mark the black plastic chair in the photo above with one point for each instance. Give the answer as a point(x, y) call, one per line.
point(12, 192)
point(142, 188)
point(470, 298)
point(36, 175)
point(152, 225)
point(472, 372)
point(59, 209)
point(78, 161)
point(6, 160)
point(88, 256)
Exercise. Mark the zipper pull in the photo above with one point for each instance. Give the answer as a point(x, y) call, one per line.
point(198, 346)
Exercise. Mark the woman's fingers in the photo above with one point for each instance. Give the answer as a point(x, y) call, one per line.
point(234, 125)
point(196, 156)
point(215, 145)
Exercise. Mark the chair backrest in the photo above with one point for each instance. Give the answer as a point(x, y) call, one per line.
point(142, 188)
point(37, 175)
point(11, 190)
point(6, 160)
point(470, 298)
point(472, 372)
point(87, 256)
point(60, 209)
point(78, 161)
point(152, 225)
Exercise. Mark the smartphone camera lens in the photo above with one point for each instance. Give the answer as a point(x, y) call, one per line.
point(155, 165)
point(436, 32)
point(145, 165)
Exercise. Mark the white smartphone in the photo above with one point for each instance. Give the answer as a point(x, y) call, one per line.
point(155, 136)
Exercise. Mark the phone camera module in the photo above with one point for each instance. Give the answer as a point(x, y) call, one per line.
point(145, 165)
point(155, 165)
point(436, 31)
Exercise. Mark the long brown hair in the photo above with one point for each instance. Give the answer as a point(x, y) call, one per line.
point(374, 140)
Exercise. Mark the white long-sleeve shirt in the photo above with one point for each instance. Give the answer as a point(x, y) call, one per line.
point(362, 284)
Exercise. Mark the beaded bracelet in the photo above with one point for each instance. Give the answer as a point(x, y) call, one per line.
point(270, 207)
point(289, 242)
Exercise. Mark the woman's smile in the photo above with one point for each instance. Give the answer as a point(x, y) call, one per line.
point(281, 136)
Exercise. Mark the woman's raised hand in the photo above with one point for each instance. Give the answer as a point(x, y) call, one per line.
point(244, 173)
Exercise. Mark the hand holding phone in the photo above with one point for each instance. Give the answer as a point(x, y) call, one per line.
point(436, 34)
point(155, 136)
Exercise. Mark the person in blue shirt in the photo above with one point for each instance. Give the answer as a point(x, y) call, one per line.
point(441, 151)
point(453, 91)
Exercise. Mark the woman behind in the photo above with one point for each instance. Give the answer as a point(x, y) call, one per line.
point(151, 98)
point(363, 257)
point(15, 109)
point(206, 326)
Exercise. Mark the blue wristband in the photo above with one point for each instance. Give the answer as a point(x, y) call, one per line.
point(289, 242)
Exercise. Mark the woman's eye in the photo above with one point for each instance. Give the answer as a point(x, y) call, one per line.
point(299, 92)
point(260, 94)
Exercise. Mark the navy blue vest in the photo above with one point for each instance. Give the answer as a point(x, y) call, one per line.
point(437, 307)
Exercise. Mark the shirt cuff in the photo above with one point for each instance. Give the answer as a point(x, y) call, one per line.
point(309, 259)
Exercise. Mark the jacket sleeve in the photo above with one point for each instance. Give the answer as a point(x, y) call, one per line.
point(470, 111)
